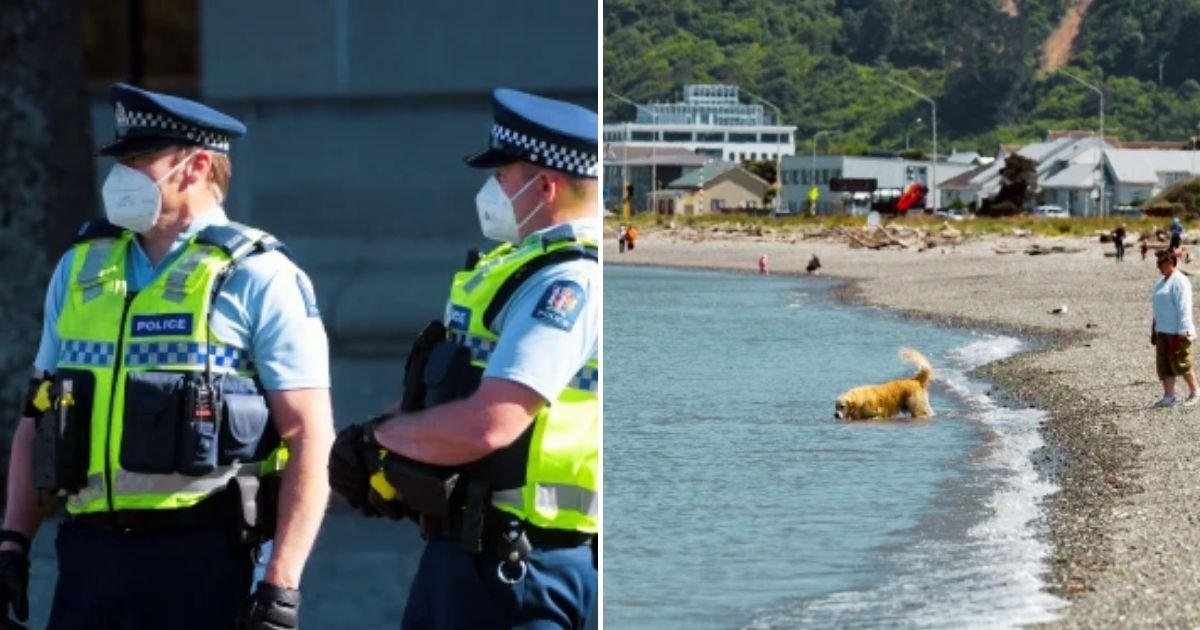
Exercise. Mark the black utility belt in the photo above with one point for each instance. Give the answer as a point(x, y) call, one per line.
point(543, 538)
point(173, 422)
point(214, 511)
point(496, 521)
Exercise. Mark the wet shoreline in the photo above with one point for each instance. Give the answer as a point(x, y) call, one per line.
point(1087, 370)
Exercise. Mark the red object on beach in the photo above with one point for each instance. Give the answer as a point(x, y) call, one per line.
point(762, 265)
point(913, 194)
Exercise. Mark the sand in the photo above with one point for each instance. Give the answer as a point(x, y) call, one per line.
point(1124, 527)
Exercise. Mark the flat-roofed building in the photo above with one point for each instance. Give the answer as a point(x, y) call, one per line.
point(710, 120)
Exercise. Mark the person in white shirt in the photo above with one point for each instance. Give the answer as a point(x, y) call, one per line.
point(1172, 330)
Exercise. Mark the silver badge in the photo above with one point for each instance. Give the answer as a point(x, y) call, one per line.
point(122, 117)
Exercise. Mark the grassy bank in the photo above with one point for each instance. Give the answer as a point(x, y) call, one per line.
point(1079, 226)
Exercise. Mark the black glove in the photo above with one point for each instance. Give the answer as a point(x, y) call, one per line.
point(271, 608)
point(413, 398)
point(354, 458)
point(14, 579)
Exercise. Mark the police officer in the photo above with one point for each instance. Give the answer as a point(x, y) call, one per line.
point(182, 363)
point(509, 432)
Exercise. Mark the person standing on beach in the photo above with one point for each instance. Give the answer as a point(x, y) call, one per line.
point(1172, 330)
point(813, 265)
point(621, 235)
point(1118, 237)
point(631, 237)
point(762, 265)
point(1176, 245)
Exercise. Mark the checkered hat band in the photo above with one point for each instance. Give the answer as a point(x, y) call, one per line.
point(586, 379)
point(135, 123)
point(78, 352)
point(544, 152)
point(185, 354)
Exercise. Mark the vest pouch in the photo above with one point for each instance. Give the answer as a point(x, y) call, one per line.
point(425, 488)
point(449, 374)
point(247, 434)
point(245, 422)
point(153, 421)
point(62, 435)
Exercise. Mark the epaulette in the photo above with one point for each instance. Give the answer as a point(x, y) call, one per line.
point(96, 229)
point(240, 241)
point(557, 234)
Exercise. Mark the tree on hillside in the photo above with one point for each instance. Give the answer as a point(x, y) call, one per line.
point(821, 62)
point(1017, 190)
point(45, 174)
point(763, 168)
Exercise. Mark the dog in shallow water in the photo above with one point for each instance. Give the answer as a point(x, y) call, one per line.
point(892, 398)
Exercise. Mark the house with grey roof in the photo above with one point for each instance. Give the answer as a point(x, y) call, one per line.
point(639, 166)
point(1052, 158)
point(1136, 175)
point(717, 186)
point(1075, 188)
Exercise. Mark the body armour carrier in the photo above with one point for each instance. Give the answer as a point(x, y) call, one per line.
point(549, 476)
point(150, 409)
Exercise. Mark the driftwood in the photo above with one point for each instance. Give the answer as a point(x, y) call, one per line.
point(900, 237)
point(1042, 250)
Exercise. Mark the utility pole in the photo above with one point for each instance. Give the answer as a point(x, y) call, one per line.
point(778, 153)
point(814, 164)
point(909, 128)
point(653, 145)
point(1103, 210)
point(933, 162)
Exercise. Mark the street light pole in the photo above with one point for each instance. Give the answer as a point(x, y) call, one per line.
point(909, 128)
point(1097, 90)
point(778, 153)
point(933, 163)
point(653, 145)
point(813, 178)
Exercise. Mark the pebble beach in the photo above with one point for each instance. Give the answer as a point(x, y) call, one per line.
point(1124, 526)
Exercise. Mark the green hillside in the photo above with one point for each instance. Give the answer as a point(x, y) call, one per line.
point(821, 61)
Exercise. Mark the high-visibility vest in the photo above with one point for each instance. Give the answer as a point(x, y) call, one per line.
point(129, 353)
point(561, 450)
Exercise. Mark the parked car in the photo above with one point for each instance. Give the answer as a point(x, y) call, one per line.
point(953, 214)
point(1052, 212)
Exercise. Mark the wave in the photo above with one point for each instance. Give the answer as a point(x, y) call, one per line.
point(989, 573)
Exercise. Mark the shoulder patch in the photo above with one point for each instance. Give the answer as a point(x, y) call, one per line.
point(307, 294)
point(561, 304)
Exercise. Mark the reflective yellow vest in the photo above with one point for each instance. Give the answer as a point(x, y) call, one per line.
point(130, 356)
point(561, 466)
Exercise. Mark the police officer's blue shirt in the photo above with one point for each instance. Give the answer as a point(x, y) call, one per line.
point(551, 326)
point(266, 307)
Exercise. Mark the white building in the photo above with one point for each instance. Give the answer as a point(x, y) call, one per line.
point(801, 173)
point(1069, 175)
point(1136, 175)
point(711, 121)
point(1065, 171)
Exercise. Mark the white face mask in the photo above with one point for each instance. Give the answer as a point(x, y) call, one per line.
point(497, 218)
point(131, 199)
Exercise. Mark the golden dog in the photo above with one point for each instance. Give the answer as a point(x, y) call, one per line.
point(891, 398)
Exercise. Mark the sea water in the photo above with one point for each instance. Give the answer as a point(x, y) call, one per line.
point(734, 499)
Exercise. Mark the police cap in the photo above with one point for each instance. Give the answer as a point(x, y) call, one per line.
point(542, 131)
point(148, 121)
